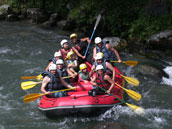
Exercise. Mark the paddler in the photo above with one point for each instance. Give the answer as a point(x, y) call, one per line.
point(99, 60)
point(104, 47)
point(79, 47)
point(52, 82)
point(103, 80)
point(83, 74)
point(65, 48)
point(57, 55)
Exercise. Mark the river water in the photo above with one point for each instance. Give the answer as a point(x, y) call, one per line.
point(25, 50)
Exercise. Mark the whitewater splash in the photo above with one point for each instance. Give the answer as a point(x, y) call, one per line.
point(165, 80)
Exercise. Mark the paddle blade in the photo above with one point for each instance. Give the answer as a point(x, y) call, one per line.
point(136, 96)
point(39, 77)
point(31, 97)
point(137, 109)
point(131, 62)
point(131, 80)
point(28, 84)
point(28, 77)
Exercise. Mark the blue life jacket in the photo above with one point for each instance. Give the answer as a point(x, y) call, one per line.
point(108, 54)
point(54, 83)
point(63, 73)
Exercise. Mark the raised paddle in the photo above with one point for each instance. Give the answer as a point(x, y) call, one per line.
point(129, 62)
point(31, 84)
point(97, 22)
point(136, 96)
point(35, 96)
point(39, 77)
point(136, 109)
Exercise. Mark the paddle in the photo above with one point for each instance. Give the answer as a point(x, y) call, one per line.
point(39, 77)
point(31, 84)
point(136, 109)
point(136, 96)
point(129, 62)
point(97, 22)
point(35, 96)
point(130, 80)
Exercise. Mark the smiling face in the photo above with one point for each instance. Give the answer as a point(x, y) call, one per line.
point(99, 44)
point(100, 72)
point(74, 40)
point(72, 57)
point(66, 46)
point(60, 66)
point(58, 57)
point(99, 61)
point(53, 72)
point(84, 70)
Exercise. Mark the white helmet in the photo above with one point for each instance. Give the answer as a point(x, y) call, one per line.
point(52, 67)
point(97, 40)
point(63, 42)
point(59, 61)
point(57, 54)
point(99, 67)
point(99, 56)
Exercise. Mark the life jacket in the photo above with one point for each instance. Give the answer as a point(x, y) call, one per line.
point(71, 62)
point(63, 73)
point(54, 83)
point(53, 60)
point(82, 77)
point(101, 82)
point(80, 47)
point(108, 54)
point(64, 52)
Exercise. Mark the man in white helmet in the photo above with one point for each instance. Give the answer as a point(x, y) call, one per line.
point(99, 60)
point(52, 82)
point(104, 47)
point(65, 48)
point(103, 80)
point(57, 56)
point(79, 46)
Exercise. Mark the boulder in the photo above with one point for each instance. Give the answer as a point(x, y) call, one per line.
point(53, 18)
point(162, 40)
point(46, 25)
point(11, 17)
point(21, 17)
point(37, 15)
point(108, 125)
point(62, 24)
point(4, 9)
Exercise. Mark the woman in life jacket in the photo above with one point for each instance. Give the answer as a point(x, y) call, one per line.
point(79, 47)
point(103, 80)
point(104, 47)
point(57, 56)
point(52, 82)
point(99, 60)
point(65, 48)
point(83, 74)
point(71, 63)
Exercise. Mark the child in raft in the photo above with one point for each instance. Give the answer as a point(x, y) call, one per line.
point(83, 73)
point(71, 63)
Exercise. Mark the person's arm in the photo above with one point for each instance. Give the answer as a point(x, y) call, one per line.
point(108, 78)
point(92, 71)
point(108, 46)
point(47, 68)
point(94, 53)
point(75, 63)
point(93, 81)
point(65, 83)
point(77, 53)
point(110, 67)
point(45, 81)
point(85, 39)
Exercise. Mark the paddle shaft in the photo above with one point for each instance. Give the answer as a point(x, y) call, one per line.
point(97, 21)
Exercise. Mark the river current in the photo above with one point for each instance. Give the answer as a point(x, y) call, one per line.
point(25, 50)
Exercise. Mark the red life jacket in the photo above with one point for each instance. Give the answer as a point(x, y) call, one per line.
point(64, 52)
point(101, 82)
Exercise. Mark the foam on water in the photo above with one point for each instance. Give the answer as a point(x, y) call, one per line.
point(4, 50)
point(165, 80)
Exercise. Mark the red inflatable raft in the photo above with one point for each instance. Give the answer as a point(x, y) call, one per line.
point(78, 102)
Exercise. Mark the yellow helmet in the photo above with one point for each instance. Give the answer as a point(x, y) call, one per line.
point(69, 54)
point(74, 35)
point(82, 66)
